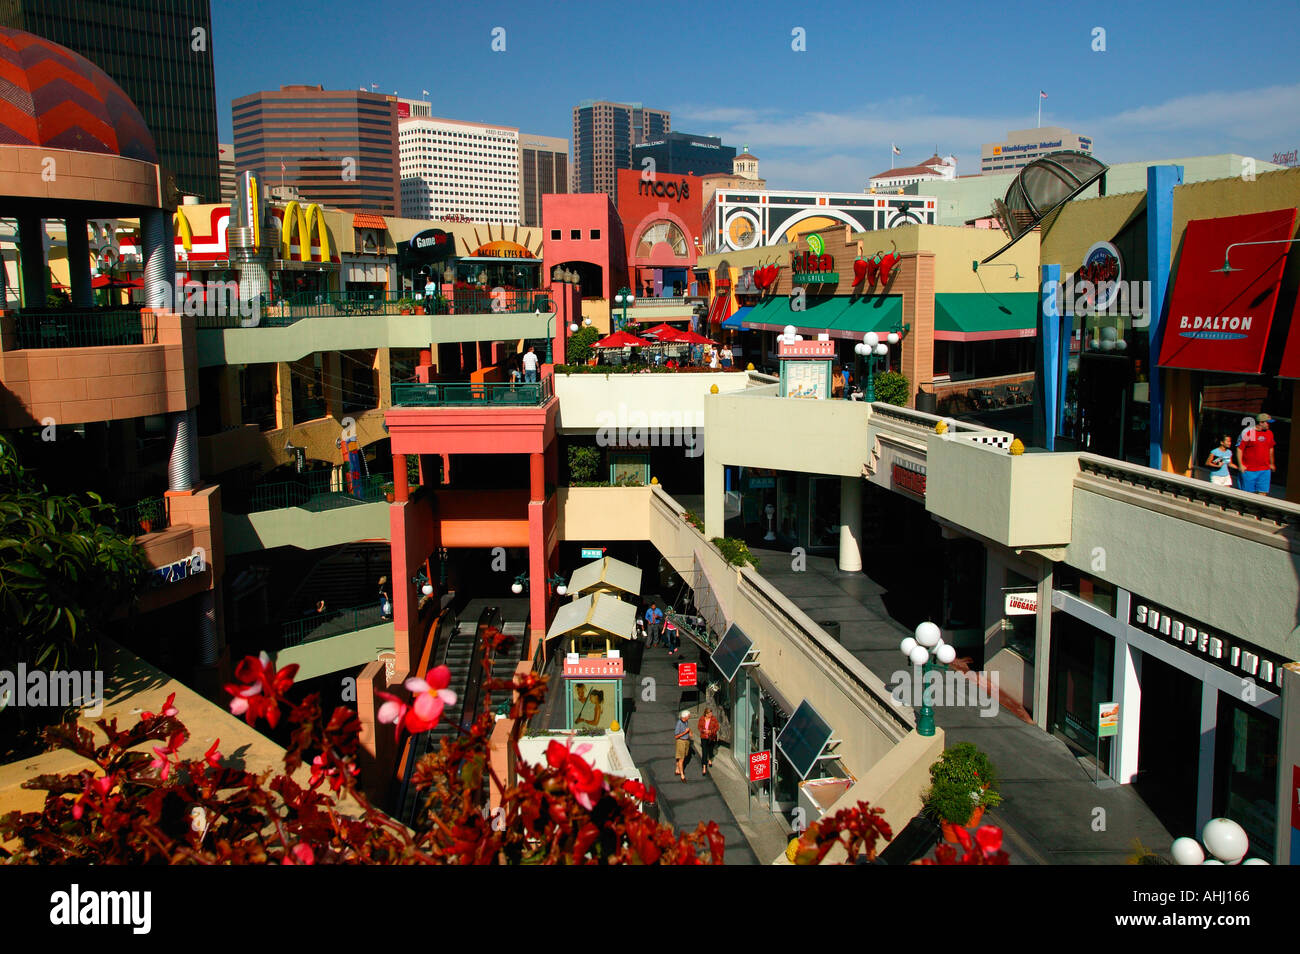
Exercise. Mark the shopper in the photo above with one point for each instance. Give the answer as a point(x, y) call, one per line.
point(727, 357)
point(714, 362)
point(385, 604)
point(1255, 457)
point(682, 739)
point(708, 739)
point(530, 366)
point(654, 618)
point(1220, 460)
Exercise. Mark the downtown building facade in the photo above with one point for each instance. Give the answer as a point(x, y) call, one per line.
point(543, 170)
point(680, 153)
point(160, 53)
point(603, 136)
point(1022, 146)
point(335, 147)
point(454, 168)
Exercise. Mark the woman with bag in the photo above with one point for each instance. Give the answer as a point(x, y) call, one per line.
point(708, 738)
point(385, 604)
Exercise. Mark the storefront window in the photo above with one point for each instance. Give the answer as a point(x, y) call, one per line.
point(1087, 588)
point(1019, 628)
point(1228, 404)
point(1081, 681)
point(1245, 771)
point(824, 504)
point(1107, 409)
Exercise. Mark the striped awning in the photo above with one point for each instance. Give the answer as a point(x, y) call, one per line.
point(368, 220)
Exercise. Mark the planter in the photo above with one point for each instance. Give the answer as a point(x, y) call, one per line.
point(419, 309)
point(146, 525)
point(389, 496)
point(405, 311)
point(950, 830)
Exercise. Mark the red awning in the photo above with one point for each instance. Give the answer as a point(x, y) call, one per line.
point(1219, 321)
point(368, 220)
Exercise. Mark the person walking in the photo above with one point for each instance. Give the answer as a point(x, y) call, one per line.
point(682, 741)
point(672, 639)
point(654, 617)
point(727, 357)
point(385, 604)
point(1255, 458)
point(1220, 460)
point(714, 362)
point(530, 366)
point(709, 726)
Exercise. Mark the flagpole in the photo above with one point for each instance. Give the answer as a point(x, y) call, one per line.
point(1040, 109)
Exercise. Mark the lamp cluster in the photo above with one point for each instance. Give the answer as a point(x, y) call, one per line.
point(871, 344)
point(1226, 841)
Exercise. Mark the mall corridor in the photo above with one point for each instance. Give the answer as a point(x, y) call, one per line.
point(1052, 812)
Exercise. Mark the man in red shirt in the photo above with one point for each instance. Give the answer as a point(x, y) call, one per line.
point(1255, 456)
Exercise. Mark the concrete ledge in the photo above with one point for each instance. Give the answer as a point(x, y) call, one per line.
point(323, 656)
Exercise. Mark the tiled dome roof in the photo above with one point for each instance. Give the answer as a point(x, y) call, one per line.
point(50, 96)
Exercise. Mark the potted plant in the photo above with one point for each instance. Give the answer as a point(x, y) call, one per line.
point(963, 784)
point(149, 512)
point(388, 491)
point(404, 306)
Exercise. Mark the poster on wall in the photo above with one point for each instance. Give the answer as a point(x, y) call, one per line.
point(594, 703)
point(807, 379)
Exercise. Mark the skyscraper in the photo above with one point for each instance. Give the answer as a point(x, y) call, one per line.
point(160, 53)
point(450, 167)
point(336, 147)
point(543, 169)
point(683, 154)
point(603, 136)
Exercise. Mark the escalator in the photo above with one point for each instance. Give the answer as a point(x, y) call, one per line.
point(459, 650)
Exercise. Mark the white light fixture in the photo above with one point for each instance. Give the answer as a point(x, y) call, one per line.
point(561, 589)
point(871, 339)
point(573, 326)
point(427, 589)
point(516, 588)
point(1224, 838)
point(893, 337)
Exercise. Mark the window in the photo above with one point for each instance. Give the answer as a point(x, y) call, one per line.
point(555, 235)
point(575, 234)
point(595, 235)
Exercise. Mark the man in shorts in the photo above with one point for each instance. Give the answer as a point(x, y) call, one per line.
point(1255, 456)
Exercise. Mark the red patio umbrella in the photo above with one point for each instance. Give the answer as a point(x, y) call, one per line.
point(620, 339)
point(103, 281)
point(666, 334)
point(690, 337)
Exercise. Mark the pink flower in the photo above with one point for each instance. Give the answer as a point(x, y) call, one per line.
point(583, 781)
point(162, 762)
point(300, 854)
point(212, 756)
point(260, 689)
point(989, 838)
point(392, 712)
point(168, 709)
point(430, 697)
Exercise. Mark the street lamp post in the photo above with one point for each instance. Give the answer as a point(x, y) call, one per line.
point(873, 350)
point(923, 649)
point(624, 298)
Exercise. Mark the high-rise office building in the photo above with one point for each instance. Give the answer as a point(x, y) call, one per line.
point(1023, 146)
point(160, 53)
point(454, 168)
point(336, 147)
point(543, 170)
point(686, 155)
point(603, 136)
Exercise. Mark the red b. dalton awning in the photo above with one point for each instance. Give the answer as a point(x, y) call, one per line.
point(1219, 321)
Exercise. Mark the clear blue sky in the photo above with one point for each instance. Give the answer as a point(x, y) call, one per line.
point(1175, 79)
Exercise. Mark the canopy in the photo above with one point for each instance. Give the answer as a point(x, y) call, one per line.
point(605, 574)
point(736, 321)
point(690, 337)
point(980, 317)
point(600, 614)
point(620, 339)
point(665, 334)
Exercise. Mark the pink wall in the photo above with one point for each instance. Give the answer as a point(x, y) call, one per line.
point(584, 213)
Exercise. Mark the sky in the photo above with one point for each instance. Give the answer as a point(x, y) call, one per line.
point(1145, 81)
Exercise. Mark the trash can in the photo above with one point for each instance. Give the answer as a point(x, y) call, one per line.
point(832, 628)
point(927, 402)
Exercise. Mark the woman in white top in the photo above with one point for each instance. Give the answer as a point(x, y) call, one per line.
point(713, 358)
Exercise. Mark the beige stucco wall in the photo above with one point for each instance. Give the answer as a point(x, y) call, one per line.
point(592, 401)
point(759, 430)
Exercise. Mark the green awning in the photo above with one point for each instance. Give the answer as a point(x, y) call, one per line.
point(981, 316)
point(840, 316)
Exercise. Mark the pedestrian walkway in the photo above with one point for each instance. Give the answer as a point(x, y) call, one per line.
point(1050, 810)
point(681, 804)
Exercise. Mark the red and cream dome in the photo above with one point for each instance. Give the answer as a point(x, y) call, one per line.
point(52, 97)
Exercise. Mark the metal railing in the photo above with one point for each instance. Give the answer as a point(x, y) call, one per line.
point(345, 304)
point(473, 394)
point(331, 623)
point(86, 329)
point(317, 492)
point(1271, 512)
point(926, 421)
point(148, 515)
point(465, 301)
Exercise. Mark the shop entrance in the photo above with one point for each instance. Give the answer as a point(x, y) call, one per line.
point(1082, 662)
point(1169, 744)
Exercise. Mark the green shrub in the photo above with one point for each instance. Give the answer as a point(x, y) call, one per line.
point(693, 518)
point(583, 463)
point(578, 349)
point(892, 387)
point(735, 551)
point(950, 801)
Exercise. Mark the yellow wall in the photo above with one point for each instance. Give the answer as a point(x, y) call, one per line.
point(1084, 222)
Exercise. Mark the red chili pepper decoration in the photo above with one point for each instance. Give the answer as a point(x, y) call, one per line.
point(886, 266)
point(859, 270)
point(873, 271)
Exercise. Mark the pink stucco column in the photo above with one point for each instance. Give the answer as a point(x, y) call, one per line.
point(401, 487)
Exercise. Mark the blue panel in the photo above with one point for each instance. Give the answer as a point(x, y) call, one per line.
point(1050, 342)
point(1161, 181)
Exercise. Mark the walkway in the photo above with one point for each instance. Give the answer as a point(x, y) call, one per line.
point(1050, 804)
point(685, 804)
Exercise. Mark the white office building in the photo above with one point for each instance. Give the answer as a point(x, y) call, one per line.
point(454, 168)
point(1022, 146)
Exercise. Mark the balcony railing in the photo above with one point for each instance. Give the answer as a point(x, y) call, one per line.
point(144, 516)
point(473, 394)
point(317, 493)
point(348, 304)
point(331, 623)
point(86, 329)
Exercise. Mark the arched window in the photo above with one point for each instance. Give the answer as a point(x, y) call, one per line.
point(665, 232)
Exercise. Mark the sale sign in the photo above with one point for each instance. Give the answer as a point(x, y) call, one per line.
point(686, 674)
point(760, 766)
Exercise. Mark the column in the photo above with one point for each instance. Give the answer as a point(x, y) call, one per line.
point(232, 414)
point(159, 259)
point(1161, 181)
point(283, 395)
point(1205, 762)
point(401, 486)
point(1047, 372)
point(31, 265)
point(332, 375)
point(1287, 842)
point(1043, 644)
point(851, 524)
point(384, 369)
point(536, 477)
point(1127, 680)
point(916, 282)
point(79, 262)
point(182, 467)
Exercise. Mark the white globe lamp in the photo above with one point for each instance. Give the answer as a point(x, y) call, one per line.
point(516, 588)
point(927, 634)
point(1226, 840)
